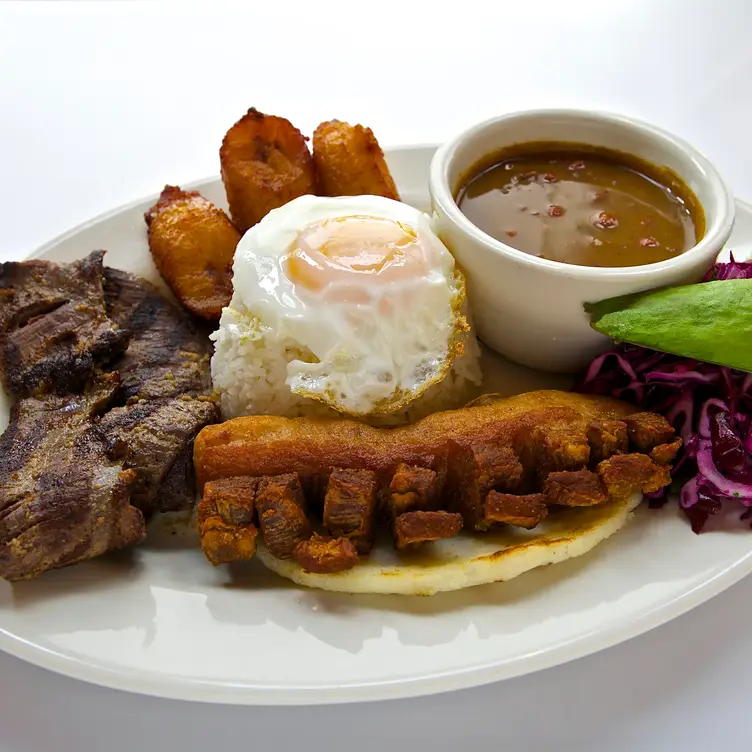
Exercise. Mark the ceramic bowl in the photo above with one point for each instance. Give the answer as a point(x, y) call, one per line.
point(530, 309)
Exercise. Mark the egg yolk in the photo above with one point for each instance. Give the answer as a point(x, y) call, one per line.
point(350, 254)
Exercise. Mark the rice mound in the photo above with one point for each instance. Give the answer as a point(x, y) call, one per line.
point(249, 370)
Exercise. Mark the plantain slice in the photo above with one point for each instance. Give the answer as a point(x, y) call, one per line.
point(349, 162)
point(193, 245)
point(265, 163)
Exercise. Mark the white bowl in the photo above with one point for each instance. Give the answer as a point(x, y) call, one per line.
point(531, 309)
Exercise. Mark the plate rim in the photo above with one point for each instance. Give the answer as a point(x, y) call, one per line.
point(231, 693)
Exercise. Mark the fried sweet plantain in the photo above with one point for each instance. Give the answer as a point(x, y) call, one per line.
point(265, 163)
point(349, 162)
point(193, 244)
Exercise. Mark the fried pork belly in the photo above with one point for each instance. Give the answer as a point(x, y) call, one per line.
point(498, 461)
point(225, 520)
point(665, 454)
point(413, 489)
point(520, 510)
point(270, 445)
point(233, 498)
point(281, 511)
point(477, 470)
point(193, 244)
point(647, 431)
point(545, 449)
point(265, 164)
point(223, 543)
point(625, 474)
point(414, 528)
point(325, 555)
point(606, 438)
point(574, 488)
point(349, 162)
point(54, 329)
point(350, 506)
point(62, 498)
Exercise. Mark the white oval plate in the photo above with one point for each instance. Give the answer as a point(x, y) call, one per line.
point(161, 621)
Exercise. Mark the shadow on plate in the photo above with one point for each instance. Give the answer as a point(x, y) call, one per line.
point(489, 610)
point(106, 594)
point(250, 595)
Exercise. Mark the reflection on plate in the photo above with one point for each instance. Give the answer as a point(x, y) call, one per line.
point(158, 620)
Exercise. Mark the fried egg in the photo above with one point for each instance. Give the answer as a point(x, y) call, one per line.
point(365, 298)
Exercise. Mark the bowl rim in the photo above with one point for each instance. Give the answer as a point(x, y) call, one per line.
point(717, 231)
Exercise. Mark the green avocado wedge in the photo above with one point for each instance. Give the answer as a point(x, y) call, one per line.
point(710, 321)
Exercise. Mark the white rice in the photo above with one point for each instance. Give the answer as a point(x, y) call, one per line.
point(249, 370)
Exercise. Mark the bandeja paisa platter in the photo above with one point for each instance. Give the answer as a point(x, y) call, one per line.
point(164, 466)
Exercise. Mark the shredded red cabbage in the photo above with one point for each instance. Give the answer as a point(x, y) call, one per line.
point(710, 406)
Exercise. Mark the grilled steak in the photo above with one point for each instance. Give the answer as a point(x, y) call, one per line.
point(152, 437)
point(164, 370)
point(54, 329)
point(86, 454)
point(168, 356)
point(62, 499)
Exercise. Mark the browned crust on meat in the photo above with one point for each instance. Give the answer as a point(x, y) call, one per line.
point(63, 499)
point(224, 543)
point(265, 164)
point(574, 488)
point(665, 454)
point(233, 498)
point(497, 461)
point(54, 328)
point(225, 520)
point(349, 162)
point(519, 510)
point(168, 356)
point(281, 510)
point(647, 431)
point(325, 555)
point(269, 445)
point(413, 489)
point(606, 438)
point(547, 450)
point(477, 469)
point(193, 245)
point(413, 528)
point(625, 474)
point(151, 436)
point(350, 506)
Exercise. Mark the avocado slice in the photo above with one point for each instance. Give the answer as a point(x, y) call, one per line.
point(710, 321)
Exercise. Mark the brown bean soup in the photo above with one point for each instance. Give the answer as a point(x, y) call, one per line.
point(582, 205)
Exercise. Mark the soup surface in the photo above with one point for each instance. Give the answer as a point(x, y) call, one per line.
point(582, 205)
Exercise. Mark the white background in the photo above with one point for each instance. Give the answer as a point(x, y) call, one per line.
point(103, 103)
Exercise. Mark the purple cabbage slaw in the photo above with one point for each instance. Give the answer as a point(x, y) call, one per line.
point(709, 406)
